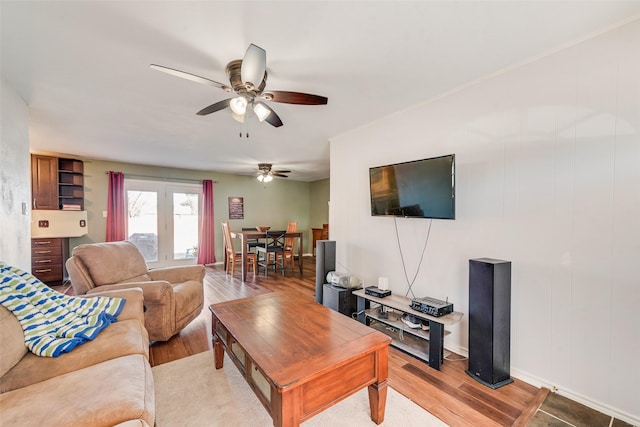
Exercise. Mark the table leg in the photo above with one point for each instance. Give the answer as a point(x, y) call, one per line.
point(378, 390)
point(300, 254)
point(244, 258)
point(377, 401)
point(436, 344)
point(218, 352)
point(285, 408)
point(362, 305)
point(218, 348)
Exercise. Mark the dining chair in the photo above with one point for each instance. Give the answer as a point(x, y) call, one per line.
point(251, 243)
point(234, 257)
point(273, 244)
point(289, 243)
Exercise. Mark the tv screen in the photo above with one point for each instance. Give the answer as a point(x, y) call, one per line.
point(422, 188)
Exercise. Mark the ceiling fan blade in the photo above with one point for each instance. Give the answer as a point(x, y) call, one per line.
point(272, 118)
point(189, 76)
point(220, 105)
point(282, 171)
point(295, 98)
point(279, 174)
point(254, 65)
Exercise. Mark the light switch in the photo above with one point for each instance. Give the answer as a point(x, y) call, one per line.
point(83, 223)
point(43, 223)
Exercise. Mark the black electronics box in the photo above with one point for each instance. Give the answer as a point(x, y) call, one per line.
point(431, 306)
point(377, 292)
point(339, 299)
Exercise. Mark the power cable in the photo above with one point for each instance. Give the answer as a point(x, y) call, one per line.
point(404, 267)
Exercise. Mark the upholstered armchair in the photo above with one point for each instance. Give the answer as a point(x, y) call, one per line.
point(173, 296)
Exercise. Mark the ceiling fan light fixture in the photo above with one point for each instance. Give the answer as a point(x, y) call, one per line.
point(265, 177)
point(253, 66)
point(237, 117)
point(261, 110)
point(238, 105)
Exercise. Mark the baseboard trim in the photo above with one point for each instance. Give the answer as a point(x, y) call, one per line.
point(568, 393)
point(577, 397)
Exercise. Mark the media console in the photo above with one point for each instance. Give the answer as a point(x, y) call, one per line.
point(426, 345)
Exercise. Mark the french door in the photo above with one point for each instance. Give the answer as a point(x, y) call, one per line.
point(163, 220)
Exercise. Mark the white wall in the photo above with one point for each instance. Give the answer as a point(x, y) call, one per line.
point(15, 172)
point(548, 177)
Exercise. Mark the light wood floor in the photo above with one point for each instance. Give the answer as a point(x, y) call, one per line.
point(450, 394)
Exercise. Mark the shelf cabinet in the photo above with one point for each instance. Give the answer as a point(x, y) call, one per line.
point(70, 184)
point(47, 259)
point(424, 344)
point(57, 183)
point(44, 182)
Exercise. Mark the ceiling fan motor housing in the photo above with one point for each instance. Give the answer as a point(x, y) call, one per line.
point(234, 73)
point(264, 167)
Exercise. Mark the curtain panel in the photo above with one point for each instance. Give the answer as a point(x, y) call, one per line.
point(116, 209)
point(206, 249)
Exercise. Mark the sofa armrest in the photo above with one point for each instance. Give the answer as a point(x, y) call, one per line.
point(178, 274)
point(80, 278)
point(133, 308)
point(154, 292)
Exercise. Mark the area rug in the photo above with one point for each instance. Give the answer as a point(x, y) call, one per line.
point(191, 392)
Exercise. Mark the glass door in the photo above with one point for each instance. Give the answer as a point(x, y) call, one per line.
point(163, 221)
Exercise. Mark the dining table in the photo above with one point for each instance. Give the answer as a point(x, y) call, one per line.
point(246, 235)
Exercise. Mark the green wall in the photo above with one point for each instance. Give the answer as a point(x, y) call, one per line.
point(273, 204)
point(319, 203)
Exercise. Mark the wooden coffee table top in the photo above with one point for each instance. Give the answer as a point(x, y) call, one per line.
point(292, 338)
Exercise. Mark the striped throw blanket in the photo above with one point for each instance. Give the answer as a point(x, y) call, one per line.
point(54, 323)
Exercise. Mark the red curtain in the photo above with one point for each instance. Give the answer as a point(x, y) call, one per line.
point(206, 250)
point(116, 210)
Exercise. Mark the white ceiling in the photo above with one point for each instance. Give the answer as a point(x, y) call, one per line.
point(82, 67)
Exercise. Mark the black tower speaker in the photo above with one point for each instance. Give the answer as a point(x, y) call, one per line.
point(325, 262)
point(490, 321)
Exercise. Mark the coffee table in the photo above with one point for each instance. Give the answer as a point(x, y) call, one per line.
point(300, 357)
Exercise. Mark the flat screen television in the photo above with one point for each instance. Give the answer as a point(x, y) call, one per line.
point(420, 189)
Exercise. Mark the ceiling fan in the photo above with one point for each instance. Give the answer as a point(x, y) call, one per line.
point(248, 78)
point(266, 173)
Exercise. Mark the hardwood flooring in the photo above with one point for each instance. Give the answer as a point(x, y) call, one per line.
point(450, 394)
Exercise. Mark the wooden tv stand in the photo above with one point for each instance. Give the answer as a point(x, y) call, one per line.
point(424, 345)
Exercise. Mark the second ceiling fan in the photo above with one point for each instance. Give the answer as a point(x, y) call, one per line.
point(248, 79)
point(266, 172)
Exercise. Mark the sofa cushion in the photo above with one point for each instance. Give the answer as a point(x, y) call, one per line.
point(133, 423)
point(106, 394)
point(112, 262)
point(142, 278)
point(12, 339)
point(119, 339)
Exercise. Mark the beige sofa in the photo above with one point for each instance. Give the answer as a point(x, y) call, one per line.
point(103, 382)
point(173, 296)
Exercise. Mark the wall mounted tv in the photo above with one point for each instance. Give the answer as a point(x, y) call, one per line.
point(420, 189)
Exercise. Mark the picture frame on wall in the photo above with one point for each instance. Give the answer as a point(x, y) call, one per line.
point(236, 207)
